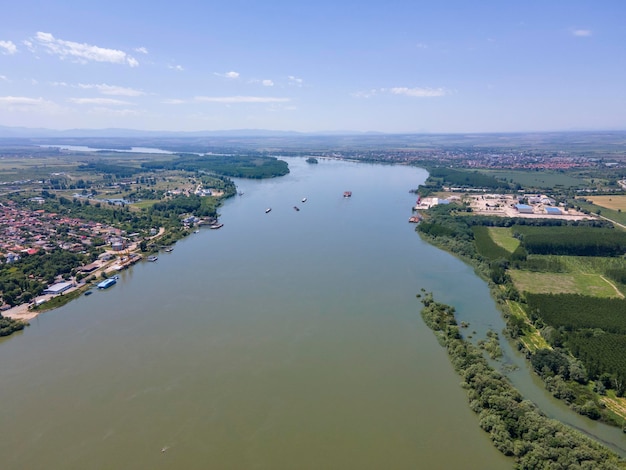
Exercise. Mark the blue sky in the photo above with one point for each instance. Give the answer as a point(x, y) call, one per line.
point(393, 66)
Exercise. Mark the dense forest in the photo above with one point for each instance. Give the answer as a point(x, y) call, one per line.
point(237, 166)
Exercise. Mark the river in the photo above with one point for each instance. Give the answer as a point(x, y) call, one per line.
point(288, 339)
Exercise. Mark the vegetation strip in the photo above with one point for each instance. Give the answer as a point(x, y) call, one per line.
point(516, 427)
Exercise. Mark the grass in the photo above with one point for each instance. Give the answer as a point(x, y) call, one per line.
point(531, 338)
point(590, 264)
point(503, 236)
point(615, 404)
point(593, 285)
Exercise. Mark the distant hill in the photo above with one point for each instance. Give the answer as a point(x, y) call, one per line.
point(26, 132)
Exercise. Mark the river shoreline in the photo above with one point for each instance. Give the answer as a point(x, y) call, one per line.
point(24, 312)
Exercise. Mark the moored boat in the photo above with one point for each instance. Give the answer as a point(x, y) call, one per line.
point(153, 258)
point(303, 199)
point(347, 194)
point(107, 283)
point(296, 208)
point(216, 226)
point(269, 209)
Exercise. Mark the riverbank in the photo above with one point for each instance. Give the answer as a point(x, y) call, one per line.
point(46, 302)
point(516, 427)
point(450, 232)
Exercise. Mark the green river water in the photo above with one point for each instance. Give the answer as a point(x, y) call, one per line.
point(286, 340)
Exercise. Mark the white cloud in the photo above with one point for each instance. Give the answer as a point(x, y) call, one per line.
point(176, 67)
point(21, 100)
point(99, 101)
point(59, 84)
point(365, 94)
point(29, 45)
point(83, 52)
point(111, 89)
point(115, 112)
point(295, 80)
point(412, 92)
point(583, 33)
point(267, 83)
point(421, 45)
point(23, 103)
point(241, 99)
point(7, 47)
point(141, 50)
point(173, 101)
point(232, 75)
point(418, 92)
point(4, 78)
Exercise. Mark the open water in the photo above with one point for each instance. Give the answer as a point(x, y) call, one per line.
point(284, 340)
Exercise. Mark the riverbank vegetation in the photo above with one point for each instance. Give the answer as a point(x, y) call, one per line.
point(516, 427)
point(560, 286)
point(9, 326)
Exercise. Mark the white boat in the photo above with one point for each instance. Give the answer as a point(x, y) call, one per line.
point(269, 209)
point(303, 199)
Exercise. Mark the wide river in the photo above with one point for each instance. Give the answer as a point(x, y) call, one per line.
point(285, 340)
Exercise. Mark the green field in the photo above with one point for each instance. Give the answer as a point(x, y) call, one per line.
point(536, 179)
point(503, 236)
point(593, 285)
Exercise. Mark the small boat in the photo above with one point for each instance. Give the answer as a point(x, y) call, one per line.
point(269, 209)
point(241, 193)
point(296, 208)
point(216, 226)
point(169, 250)
point(303, 199)
point(152, 259)
point(88, 292)
point(196, 231)
point(347, 194)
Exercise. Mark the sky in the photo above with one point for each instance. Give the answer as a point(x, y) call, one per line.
point(394, 66)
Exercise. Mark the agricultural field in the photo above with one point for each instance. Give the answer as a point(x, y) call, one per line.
point(614, 215)
point(503, 237)
point(537, 179)
point(616, 203)
point(486, 246)
point(593, 285)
